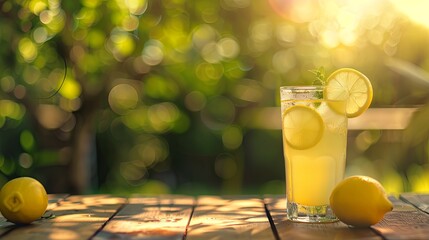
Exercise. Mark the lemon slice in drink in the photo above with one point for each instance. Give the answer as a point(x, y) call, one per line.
point(303, 127)
point(352, 86)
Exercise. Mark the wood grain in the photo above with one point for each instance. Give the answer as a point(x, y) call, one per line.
point(291, 230)
point(160, 217)
point(404, 222)
point(420, 201)
point(76, 217)
point(207, 217)
point(229, 218)
point(53, 199)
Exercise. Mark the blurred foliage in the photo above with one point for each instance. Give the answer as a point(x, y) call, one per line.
point(159, 96)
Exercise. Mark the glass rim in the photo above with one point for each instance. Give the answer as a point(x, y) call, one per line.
point(302, 87)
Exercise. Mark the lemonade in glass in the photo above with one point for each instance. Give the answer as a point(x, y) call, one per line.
point(314, 133)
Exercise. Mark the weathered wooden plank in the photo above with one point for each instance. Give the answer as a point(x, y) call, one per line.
point(229, 218)
point(214, 217)
point(160, 217)
point(291, 230)
point(76, 217)
point(404, 222)
point(53, 199)
point(420, 201)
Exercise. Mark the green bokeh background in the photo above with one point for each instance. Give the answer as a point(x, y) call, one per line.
point(180, 96)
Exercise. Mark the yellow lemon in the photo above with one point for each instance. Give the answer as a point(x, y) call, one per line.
point(352, 86)
point(303, 127)
point(23, 200)
point(360, 201)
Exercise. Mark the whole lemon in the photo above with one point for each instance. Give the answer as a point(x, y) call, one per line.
point(360, 201)
point(23, 200)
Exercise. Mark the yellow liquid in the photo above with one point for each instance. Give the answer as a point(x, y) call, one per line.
point(311, 174)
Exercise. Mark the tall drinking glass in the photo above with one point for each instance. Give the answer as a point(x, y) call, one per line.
point(314, 133)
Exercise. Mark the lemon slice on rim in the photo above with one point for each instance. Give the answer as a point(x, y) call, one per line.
point(303, 127)
point(352, 86)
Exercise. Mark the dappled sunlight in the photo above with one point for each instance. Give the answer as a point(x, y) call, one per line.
point(53, 200)
point(277, 207)
point(79, 218)
point(179, 216)
point(94, 200)
point(59, 233)
point(233, 216)
point(164, 215)
point(67, 214)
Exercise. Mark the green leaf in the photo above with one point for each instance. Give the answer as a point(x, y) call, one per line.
point(320, 76)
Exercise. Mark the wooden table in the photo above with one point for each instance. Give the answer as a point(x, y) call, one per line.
point(205, 217)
